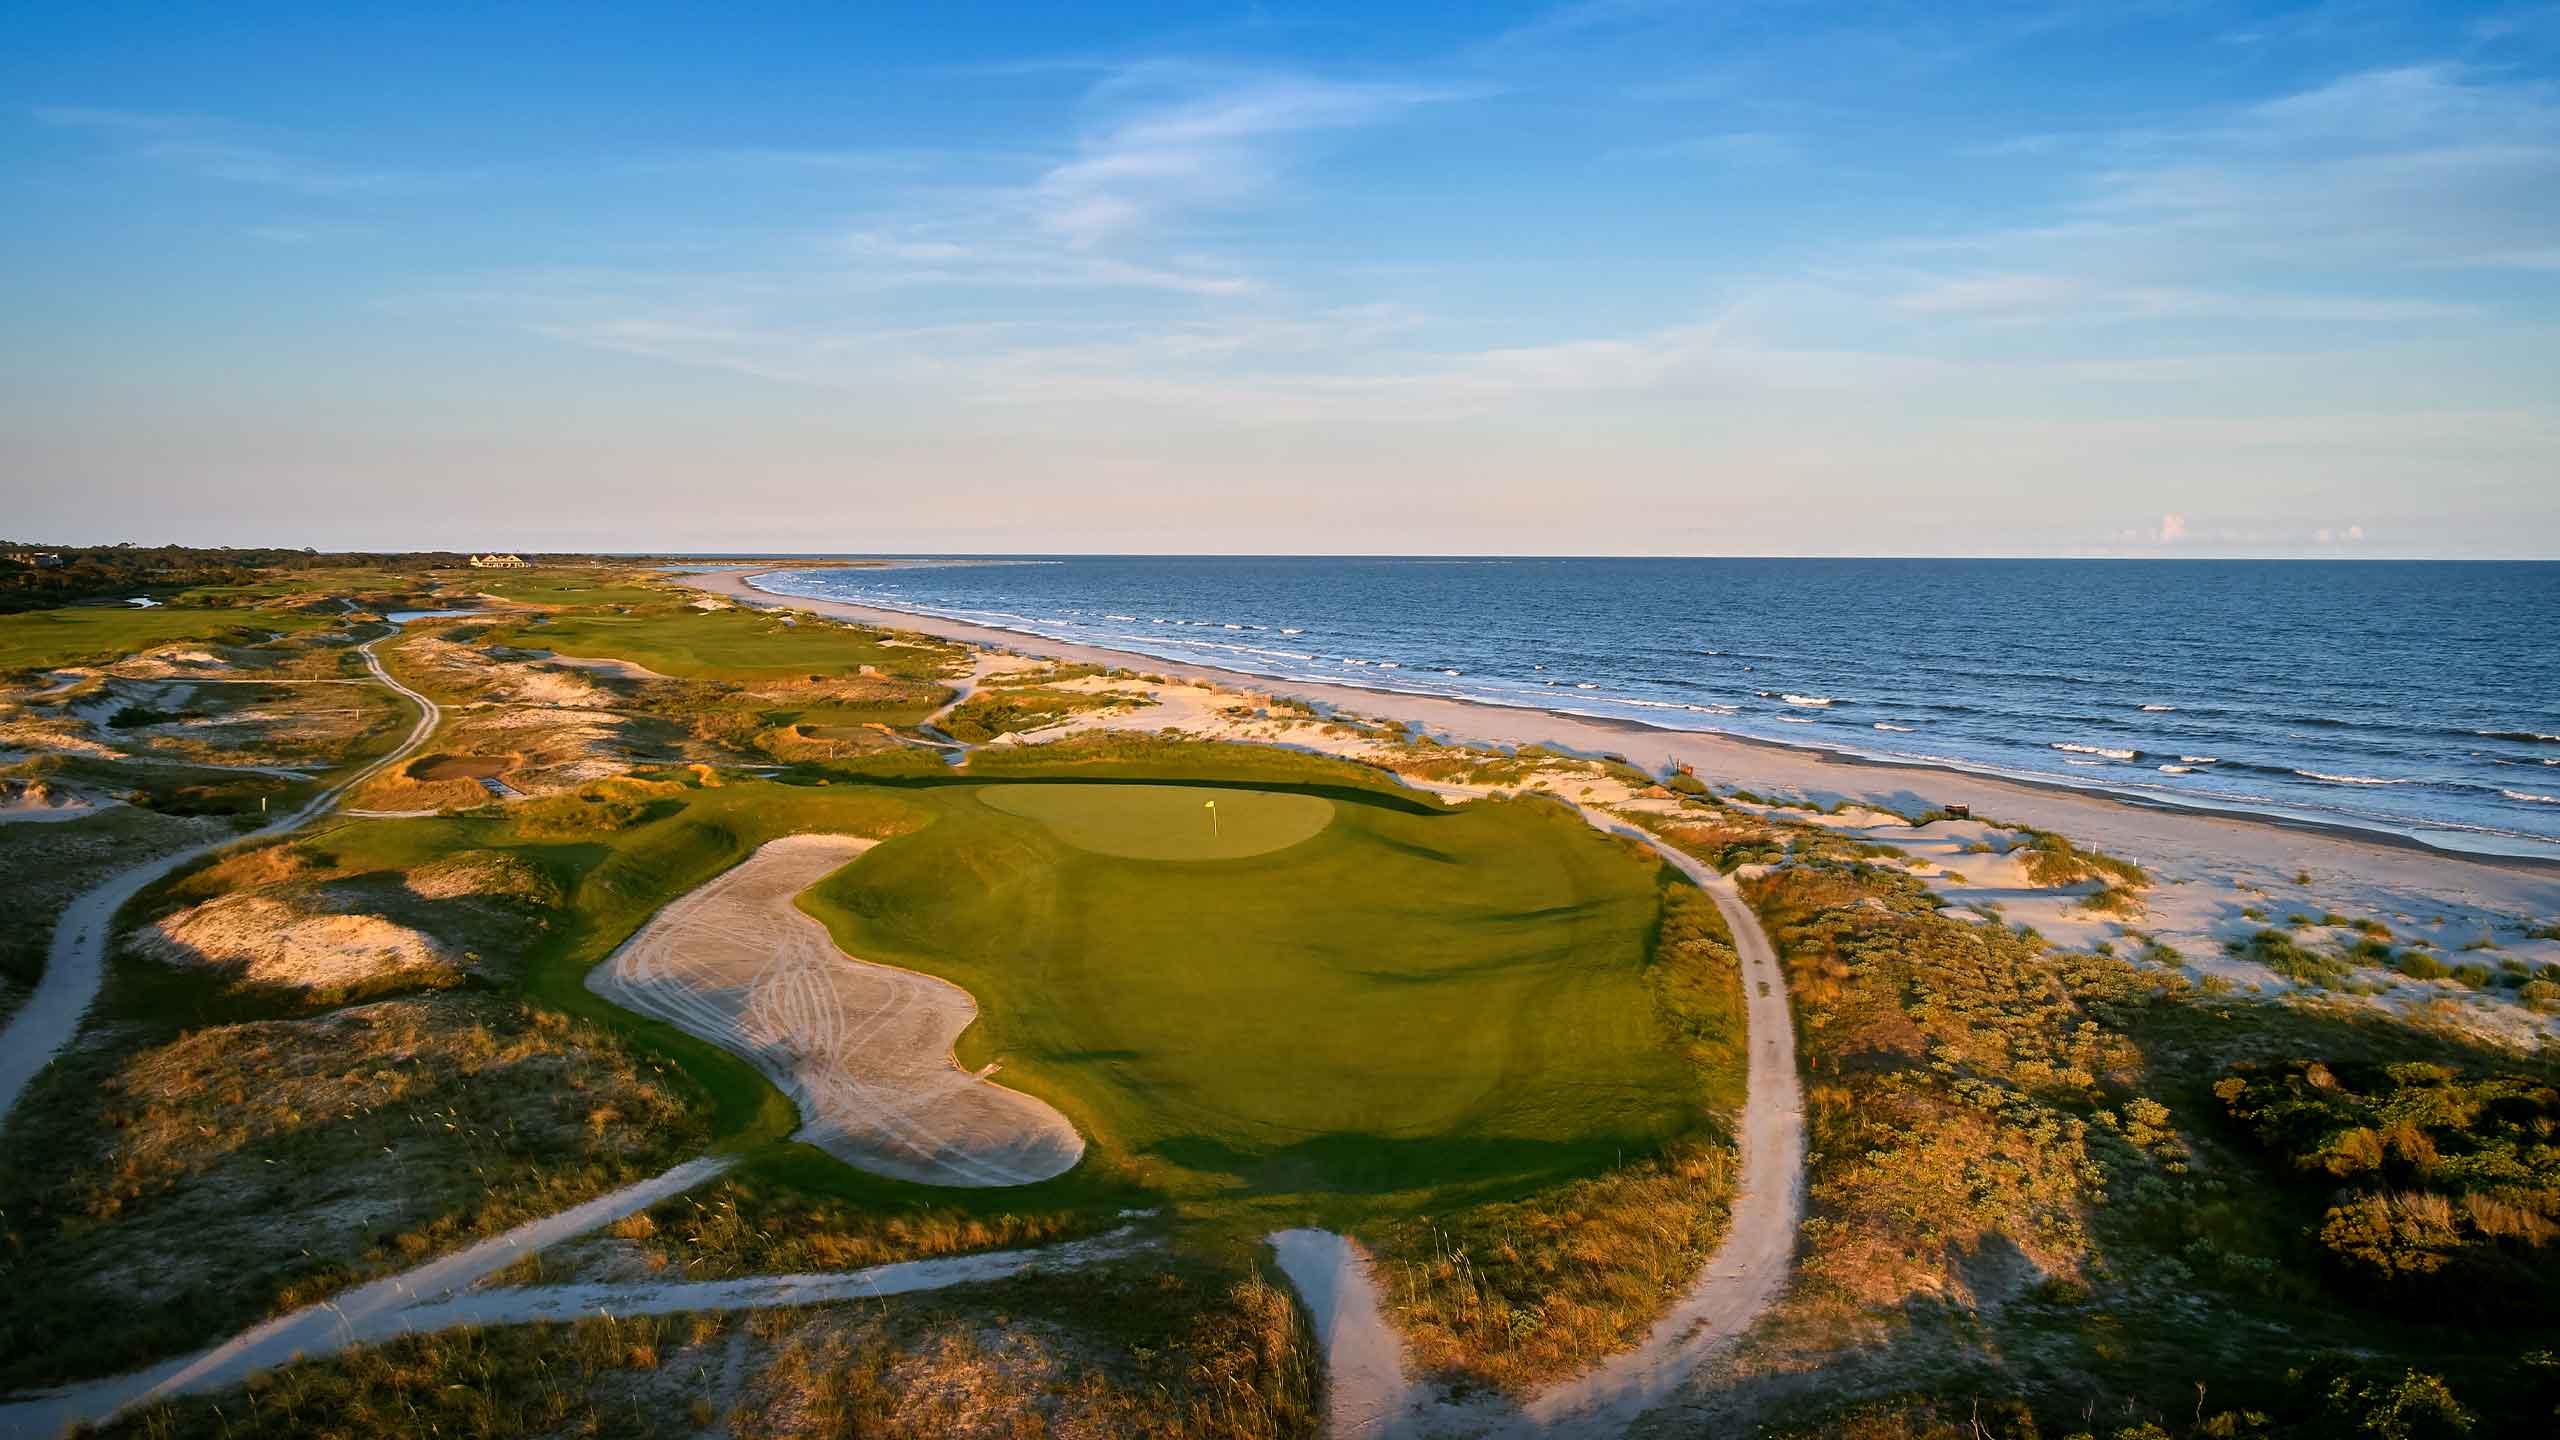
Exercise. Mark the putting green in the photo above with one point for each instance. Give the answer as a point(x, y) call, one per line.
point(1166, 822)
point(1404, 1004)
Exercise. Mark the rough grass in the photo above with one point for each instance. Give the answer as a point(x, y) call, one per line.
point(754, 1225)
point(43, 868)
point(2440, 1187)
point(2030, 1208)
point(991, 713)
point(169, 1196)
point(1184, 1350)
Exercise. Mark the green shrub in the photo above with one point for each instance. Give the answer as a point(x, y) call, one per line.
point(2419, 965)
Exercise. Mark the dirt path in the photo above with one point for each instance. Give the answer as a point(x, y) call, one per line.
point(76, 962)
point(1750, 1268)
point(524, 1304)
point(440, 1296)
point(1369, 1394)
point(863, 1050)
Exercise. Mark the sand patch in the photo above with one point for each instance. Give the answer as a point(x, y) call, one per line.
point(39, 801)
point(460, 767)
point(863, 1050)
point(269, 941)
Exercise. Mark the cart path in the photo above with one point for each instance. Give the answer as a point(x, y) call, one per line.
point(75, 965)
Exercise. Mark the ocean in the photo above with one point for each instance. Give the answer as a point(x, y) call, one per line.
point(2418, 697)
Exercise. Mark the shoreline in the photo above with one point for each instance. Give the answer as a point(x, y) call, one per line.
point(2448, 839)
point(1821, 774)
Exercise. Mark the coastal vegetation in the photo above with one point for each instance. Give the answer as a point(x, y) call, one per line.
point(2058, 1186)
point(1179, 1348)
point(2056, 1192)
point(1021, 709)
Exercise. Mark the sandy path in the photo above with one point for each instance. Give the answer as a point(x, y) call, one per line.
point(1750, 1268)
point(863, 1050)
point(76, 963)
point(523, 1304)
point(367, 1313)
point(1368, 1394)
point(1371, 1397)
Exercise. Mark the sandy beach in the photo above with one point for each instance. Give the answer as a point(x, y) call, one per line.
point(2214, 866)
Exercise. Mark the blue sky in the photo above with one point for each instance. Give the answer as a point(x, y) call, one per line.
point(1621, 277)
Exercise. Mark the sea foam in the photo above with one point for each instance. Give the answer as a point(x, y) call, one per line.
point(2099, 750)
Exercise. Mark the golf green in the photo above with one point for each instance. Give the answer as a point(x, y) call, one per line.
point(1399, 1004)
point(1166, 822)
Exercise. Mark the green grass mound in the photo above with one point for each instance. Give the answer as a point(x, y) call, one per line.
point(1166, 822)
point(1400, 1010)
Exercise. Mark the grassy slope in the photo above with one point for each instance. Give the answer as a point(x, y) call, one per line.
point(1167, 822)
point(1404, 1008)
point(733, 645)
point(40, 639)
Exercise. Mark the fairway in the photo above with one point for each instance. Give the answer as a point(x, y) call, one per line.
point(90, 635)
point(743, 646)
point(1166, 822)
point(1397, 1004)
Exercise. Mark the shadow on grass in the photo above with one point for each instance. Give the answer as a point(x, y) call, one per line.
point(1352, 1163)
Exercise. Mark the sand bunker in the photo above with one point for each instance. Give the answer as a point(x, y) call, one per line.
point(864, 1050)
point(1166, 822)
point(460, 767)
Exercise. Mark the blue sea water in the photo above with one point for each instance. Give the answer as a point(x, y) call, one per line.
point(2421, 697)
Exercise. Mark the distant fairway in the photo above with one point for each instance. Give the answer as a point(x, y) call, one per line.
point(1395, 1004)
point(1166, 822)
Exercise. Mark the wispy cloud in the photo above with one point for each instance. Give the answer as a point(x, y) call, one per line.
point(1171, 140)
point(2416, 166)
point(215, 149)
